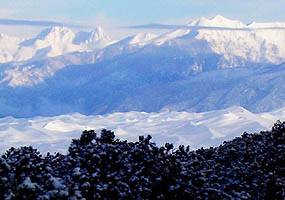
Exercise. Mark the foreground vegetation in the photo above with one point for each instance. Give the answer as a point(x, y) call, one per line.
point(102, 167)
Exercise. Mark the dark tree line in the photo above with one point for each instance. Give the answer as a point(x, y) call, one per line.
point(103, 167)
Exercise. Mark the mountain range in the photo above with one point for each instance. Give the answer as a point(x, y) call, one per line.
point(257, 42)
point(208, 64)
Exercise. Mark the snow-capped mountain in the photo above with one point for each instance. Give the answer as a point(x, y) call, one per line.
point(230, 41)
point(195, 129)
point(93, 40)
point(207, 65)
point(236, 43)
point(223, 22)
point(51, 42)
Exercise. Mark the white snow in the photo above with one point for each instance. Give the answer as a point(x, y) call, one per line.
point(235, 41)
point(51, 42)
point(256, 42)
point(96, 39)
point(56, 183)
point(129, 43)
point(196, 129)
point(223, 22)
point(141, 39)
point(27, 184)
point(217, 21)
point(266, 25)
point(170, 36)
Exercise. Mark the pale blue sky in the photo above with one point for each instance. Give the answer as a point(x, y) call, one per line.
point(136, 12)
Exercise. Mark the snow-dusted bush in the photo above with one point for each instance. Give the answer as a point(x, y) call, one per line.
point(247, 167)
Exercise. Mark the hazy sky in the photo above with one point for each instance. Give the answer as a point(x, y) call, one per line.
point(117, 13)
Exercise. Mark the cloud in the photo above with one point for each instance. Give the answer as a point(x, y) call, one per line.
point(155, 26)
point(173, 27)
point(114, 27)
point(15, 22)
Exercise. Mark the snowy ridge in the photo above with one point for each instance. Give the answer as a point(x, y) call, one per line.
point(238, 44)
point(217, 21)
point(261, 46)
point(266, 25)
point(139, 39)
point(130, 43)
point(51, 42)
point(171, 36)
point(223, 22)
point(125, 46)
point(197, 129)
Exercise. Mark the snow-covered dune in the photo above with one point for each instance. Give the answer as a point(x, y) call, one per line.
point(196, 129)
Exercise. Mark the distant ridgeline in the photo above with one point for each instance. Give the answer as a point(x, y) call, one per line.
point(130, 84)
point(247, 167)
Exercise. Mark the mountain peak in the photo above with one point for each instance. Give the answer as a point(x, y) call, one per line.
point(99, 34)
point(99, 29)
point(219, 18)
point(94, 39)
point(217, 21)
point(50, 36)
point(54, 31)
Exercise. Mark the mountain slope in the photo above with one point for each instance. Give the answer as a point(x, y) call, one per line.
point(31, 73)
point(129, 84)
